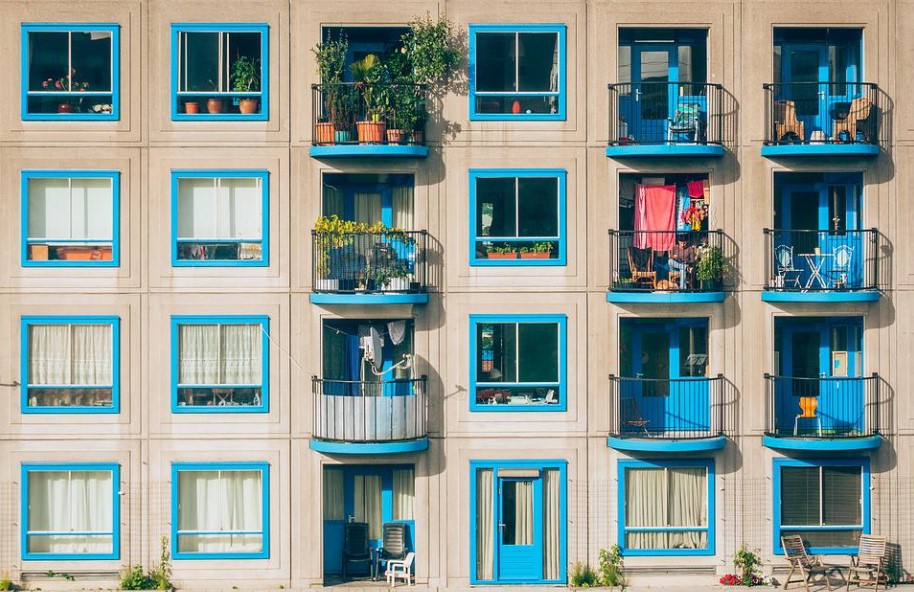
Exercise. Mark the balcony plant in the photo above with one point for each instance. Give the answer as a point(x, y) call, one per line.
point(370, 76)
point(507, 251)
point(711, 268)
point(538, 250)
point(246, 78)
point(330, 60)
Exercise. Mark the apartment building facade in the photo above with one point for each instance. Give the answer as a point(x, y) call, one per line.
point(640, 283)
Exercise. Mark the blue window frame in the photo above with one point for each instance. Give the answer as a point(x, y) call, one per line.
point(518, 515)
point(70, 511)
point(677, 525)
point(70, 364)
point(827, 502)
point(517, 217)
point(220, 364)
point(70, 218)
point(517, 72)
point(220, 510)
point(205, 58)
point(517, 363)
point(220, 218)
point(70, 71)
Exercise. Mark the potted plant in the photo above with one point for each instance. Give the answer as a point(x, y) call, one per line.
point(66, 83)
point(393, 276)
point(711, 268)
point(330, 59)
point(214, 104)
point(246, 79)
point(538, 250)
point(369, 75)
point(508, 251)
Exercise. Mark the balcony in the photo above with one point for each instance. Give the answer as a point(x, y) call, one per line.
point(361, 417)
point(821, 119)
point(667, 119)
point(386, 267)
point(821, 266)
point(828, 413)
point(668, 415)
point(643, 273)
point(344, 126)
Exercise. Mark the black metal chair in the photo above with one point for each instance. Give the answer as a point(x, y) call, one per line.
point(394, 543)
point(355, 546)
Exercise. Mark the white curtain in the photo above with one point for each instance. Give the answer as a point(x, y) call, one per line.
point(551, 524)
point(404, 493)
point(70, 355)
point(688, 506)
point(485, 524)
point(219, 354)
point(220, 505)
point(646, 497)
point(402, 204)
point(333, 495)
point(220, 208)
point(666, 497)
point(523, 512)
point(367, 207)
point(367, 496)
point(72, 502)
point(70, 209)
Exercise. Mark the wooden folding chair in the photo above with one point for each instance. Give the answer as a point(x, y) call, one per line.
point(859, 111)
point(641, 264)
point(631, 415)
point(787, 128)
point(867, 566)
point(806, 565)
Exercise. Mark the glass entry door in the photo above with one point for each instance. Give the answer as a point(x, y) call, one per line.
point(520, 529)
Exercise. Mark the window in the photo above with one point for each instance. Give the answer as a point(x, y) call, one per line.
point(70, 218)
point(220, 511)
point(220, 218)
point(219, 72)
point(517, 363)
point(517, 72)
point(220, 364)
point(71, 364)
point(825, 502)
point(666, 508)
point(517, 217)
point(70, 511)
point(70, 71)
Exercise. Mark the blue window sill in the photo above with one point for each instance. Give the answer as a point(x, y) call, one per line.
point(517, 117)
point(221, 117)
point(669, 297)
point(820, 296)
point(332, 298)
point(823, 444)
point(663, 445)
point(558, 262)
point(775, 150)
point(219, 263)
point(665, 150)
point(369, 151)
point(329, 447)
point(36, 410)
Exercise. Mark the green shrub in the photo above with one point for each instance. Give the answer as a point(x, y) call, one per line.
point(583, 576)
point(610, 567)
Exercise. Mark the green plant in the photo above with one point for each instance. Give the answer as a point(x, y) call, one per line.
point(330, 58)
point(504, 250)
point(369, 75)
point(431, 49)
point(246, 74)
point(748, 563)
point(157, 578)
point(582, 576)
point(6, 583)
point(134, 578)
point(331, 232)
point(711, 264)
point(539, 247)
point(609, 567)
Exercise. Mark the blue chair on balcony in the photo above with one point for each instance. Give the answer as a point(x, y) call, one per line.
point(787, 272)
point(686, 122)
point(842, 256)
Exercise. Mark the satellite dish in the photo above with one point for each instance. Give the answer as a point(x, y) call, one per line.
point(377, 344)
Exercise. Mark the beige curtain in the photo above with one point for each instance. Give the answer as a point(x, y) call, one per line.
point(551, 524)
point(70, 354)
point(485, 524)
point(666, 497)
point(523, 512)
point(402, 204)
point(224, 502)
point(368, 503)
point(333, 495)
point(404, 493)
point(688, 506)
point(219, 354)
point(368, 207)
point(646, 497)
point(71, 502)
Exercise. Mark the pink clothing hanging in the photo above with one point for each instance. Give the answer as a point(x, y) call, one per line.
point(696, 189)
point(655, 209)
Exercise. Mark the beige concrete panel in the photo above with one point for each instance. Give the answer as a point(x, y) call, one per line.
point(129, 15)
point(602, 354)
point(161, 421)
point(128, 276)
point(273, 13)
point(130, 379)
point(900, 62)
point(162, 161)
point(225, 573)
point(462, 421)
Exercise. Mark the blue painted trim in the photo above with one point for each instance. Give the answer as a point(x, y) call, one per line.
point(263, 321)
point(369, 151)
point(561, 387)
point(264, 94)
point(264, 469)
point(658, 445)
point(707, 464)
point(328, 447)
point(821, 296)
point(560, 30)
point(27, 468)
point(115, 94)
point(369, 299)
point(494, 465)
point(562, 176)
point(26, 321)
point(777, 150)
point(665, 150)
point(779, 463)
point(823, 444)
point(26, 177)
point(664, 297)
point(264, 176)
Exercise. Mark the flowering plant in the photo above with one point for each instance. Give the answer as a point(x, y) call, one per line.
point(735, 580)
point(66, 83)
point(694, 215)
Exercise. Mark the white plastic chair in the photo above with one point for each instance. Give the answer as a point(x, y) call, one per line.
point(400, 570)
point(783, 256)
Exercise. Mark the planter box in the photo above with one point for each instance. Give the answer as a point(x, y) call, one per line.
point(371, 132)
point(543, 255)
point(511, 255)
point(84, 253)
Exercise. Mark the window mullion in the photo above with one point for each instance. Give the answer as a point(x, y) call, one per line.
point(517, 207)
point(517, 352)
point(220, 334)
point(70, 61)
point(821, 496)
point(516, 62)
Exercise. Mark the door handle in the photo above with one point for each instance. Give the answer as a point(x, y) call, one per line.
point(501, 525)
point(638, 94)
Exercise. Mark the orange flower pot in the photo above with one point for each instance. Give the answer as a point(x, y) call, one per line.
point(371, 132)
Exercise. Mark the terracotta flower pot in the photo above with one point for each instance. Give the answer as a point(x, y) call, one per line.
point(417, 136)
point(508, 255)
point(191, 107)
point(324, 133)
point(541, 255)
point(371, 132)
point(247, 106)
point(215, 105)
point(396, 136)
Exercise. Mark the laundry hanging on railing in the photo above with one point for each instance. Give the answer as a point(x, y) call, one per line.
point(655, 210)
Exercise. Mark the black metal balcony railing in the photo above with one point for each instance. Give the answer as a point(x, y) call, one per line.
point(821, 260)
point(361, 411)
point(668, 408)
point(827, 407)
point(342, 112)
point(649, 260)
point(667, 113)
point(357, 262)
point(822, 113)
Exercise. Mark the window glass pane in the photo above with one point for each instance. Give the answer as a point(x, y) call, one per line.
point(826, 538)
point(92, 209)
point(497, 350)
point(243, 45)
point(49, 208)
point(799, 496)
point(48, 59)
point(91, 66)
point(200, 61)
point(841, 496)
point(196, 208)
point(538, 352)
point(216, 507)
point(693, 351)
point(72, 502)
point(495, 207)
point(240, 202)
point(625, 64)
point(70, 355)
point(517, 512)
point(538, 63)
point(495, 62)
point(538, 207)
point(404, 493)
point(219, 354)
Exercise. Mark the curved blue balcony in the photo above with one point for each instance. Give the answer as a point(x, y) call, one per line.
point(365, 417)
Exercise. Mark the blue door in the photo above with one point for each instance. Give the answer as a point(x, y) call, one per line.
point(520, 529)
